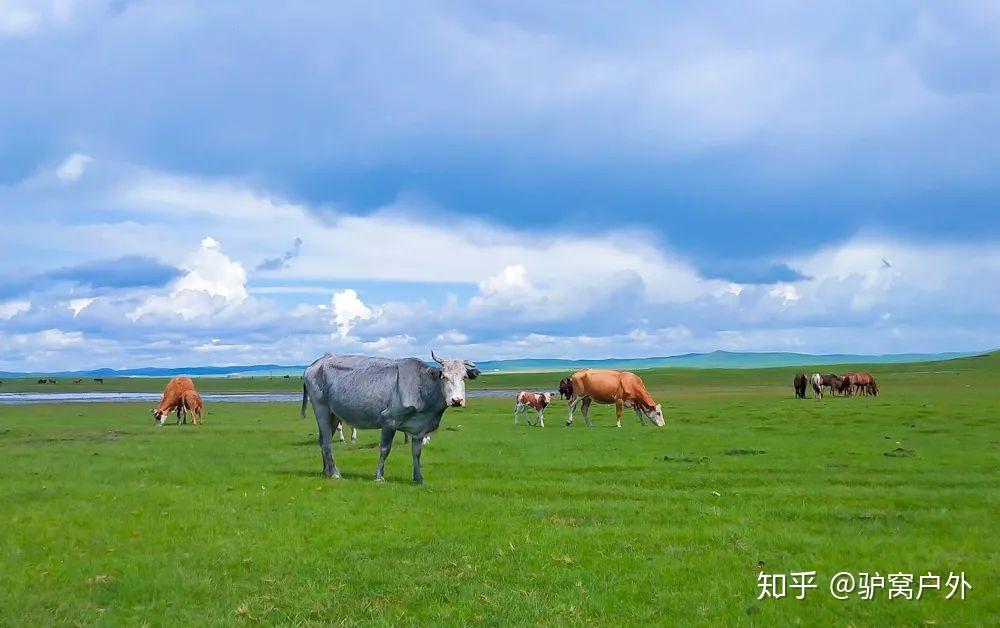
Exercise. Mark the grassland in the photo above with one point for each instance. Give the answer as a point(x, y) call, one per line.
point(107, 520)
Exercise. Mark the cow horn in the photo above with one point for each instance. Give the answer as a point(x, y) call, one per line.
point(437, 359)
point(469, 363)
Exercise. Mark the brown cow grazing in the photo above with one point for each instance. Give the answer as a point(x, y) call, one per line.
point(193, 406)
point(565, 388)
point(537, 401)
point(800, 382)
point(620, 388)
point(171, 400)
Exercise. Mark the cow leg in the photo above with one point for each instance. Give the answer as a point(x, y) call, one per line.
point(385, 446)
point(585, 410)
point(618, 413)
point(340, 432)
point(517, 410)
point(572, 408)
point(639, 415)
point(325, 421)
point(415, 446)
point(540, 418)
point(354, 435)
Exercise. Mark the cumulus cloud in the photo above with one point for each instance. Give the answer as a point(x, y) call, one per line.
point(434, 279)
point(211, 282)
point(348, 309)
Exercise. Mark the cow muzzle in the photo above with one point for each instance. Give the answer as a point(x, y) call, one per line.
point(457, 402)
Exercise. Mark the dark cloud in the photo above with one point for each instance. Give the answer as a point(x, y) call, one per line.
point(277, 263)
point(130, 271)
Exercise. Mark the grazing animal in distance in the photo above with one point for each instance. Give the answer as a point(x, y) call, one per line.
point(536, 401)
point(171, 400)
point(621, 388)
point(404, 395)
point(565, 388)
point(817, 384)
point(192, 405)
point(862, 383)
point(98, 380)
point(77, 381)
point(800, 385)
point(832, 382)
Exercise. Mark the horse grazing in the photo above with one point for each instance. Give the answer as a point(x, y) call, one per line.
point(832, 382)
point(817, 384)
point(862, 383)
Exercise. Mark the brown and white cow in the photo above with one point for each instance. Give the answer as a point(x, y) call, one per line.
point(538, 401)
point(621, 388)
point(171, 400)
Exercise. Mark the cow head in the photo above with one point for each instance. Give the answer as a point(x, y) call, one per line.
point(453, 376)
point(157, 416)
point(654, 414)
point(566, 387)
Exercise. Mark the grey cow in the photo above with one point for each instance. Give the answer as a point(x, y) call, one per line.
point(377, 393)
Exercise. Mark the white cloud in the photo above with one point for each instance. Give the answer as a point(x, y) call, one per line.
point(212, 283)
point(786, 293)
point(10, 309)
point(349, 309)
point(618, 292)
point(73, 168)
point(78, 305)
point(452, 337)
point(48, 340)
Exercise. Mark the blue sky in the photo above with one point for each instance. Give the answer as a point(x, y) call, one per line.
point(239, 182)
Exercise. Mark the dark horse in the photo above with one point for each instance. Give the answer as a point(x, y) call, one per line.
point(800, 386)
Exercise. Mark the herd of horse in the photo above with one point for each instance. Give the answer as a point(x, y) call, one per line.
point(848, 384)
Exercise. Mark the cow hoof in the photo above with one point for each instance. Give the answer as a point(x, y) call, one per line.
point(418, 480)
point(380, 479)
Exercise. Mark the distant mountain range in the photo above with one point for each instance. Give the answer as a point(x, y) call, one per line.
point(715, 359)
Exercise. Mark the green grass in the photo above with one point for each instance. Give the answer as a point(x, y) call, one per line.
point(108, 520)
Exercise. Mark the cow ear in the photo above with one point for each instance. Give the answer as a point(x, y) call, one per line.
point(472, 372)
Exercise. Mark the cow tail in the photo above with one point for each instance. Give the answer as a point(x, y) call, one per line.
point(305, 400)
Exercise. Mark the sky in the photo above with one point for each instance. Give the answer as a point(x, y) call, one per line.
point(193, 183)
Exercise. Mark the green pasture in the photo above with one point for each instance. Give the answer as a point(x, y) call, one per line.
point(108, 520)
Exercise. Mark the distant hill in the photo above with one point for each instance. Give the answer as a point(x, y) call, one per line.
point(715, 359)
